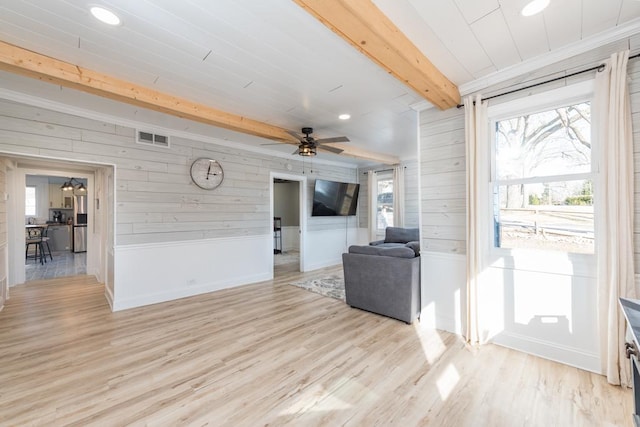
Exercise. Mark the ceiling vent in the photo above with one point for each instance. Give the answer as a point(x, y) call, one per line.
point(149, 138)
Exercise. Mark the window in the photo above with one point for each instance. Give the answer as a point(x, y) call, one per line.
point(384, 205)
point(30, 201)
point(543, 180)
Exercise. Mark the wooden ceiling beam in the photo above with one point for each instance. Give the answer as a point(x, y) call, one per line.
point(358, 153)
point(31, 64)
point(366, 28)
point(27, 63)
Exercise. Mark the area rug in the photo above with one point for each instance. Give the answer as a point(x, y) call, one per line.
point(330, 286)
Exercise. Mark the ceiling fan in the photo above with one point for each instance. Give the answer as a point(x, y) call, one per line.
point(309, 144)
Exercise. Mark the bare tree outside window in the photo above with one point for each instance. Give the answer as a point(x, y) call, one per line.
point(544, 186)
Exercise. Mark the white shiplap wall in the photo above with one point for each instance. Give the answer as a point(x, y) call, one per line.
point(442, 164)
point(3, 235)
point(160, 212)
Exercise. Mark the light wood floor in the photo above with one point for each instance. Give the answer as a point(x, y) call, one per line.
point(268, 354)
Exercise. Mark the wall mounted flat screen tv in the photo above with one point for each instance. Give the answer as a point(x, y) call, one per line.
point(331, 198)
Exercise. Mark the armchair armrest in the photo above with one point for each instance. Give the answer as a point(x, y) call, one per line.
point(415, 245)
point(376, 242)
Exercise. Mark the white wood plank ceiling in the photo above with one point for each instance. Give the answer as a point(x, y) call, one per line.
point(271, 61)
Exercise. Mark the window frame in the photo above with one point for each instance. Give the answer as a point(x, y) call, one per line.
point(545, 101)
point(35, 200)
point(383, 176)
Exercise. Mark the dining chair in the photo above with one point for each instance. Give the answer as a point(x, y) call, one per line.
point(45, 241)
point(37, 237)
point(33, 238)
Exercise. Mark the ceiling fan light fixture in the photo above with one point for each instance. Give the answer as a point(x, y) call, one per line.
point(306, 150)
point(105, 15)
point(534, 7)
point(344, 116)
point(67, 186)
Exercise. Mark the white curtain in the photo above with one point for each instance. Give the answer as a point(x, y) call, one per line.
point(477, 188)
point(398, 196)
point(373, 205)
point(612, 130)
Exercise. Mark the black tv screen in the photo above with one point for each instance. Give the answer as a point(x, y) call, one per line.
point(331, 198)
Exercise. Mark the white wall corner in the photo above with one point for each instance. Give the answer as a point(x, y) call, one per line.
point(109, 296)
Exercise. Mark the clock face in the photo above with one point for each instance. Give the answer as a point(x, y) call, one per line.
point(207, 173)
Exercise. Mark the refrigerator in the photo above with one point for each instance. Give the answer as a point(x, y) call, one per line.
point(80, 223)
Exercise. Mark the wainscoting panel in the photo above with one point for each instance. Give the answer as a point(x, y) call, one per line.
point(325, 248)
point(443, 290)
point(166, 271)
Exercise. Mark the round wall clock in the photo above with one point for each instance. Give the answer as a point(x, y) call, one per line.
point(207, 173)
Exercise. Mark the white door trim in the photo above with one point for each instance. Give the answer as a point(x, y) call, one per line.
point(302, 192)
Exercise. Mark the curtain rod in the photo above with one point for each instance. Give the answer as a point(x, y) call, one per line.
point(383, 170)
point(597, 67)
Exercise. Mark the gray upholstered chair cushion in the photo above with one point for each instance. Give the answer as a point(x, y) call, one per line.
point(401, 235)
point(400, 251)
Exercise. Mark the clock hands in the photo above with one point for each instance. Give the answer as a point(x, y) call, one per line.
point(209, 171)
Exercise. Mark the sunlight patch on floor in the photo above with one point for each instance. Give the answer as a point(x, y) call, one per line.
point(431, 343)
point(341, 396)
point(447, 381)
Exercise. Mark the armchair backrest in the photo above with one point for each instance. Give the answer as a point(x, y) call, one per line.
point(401, 235)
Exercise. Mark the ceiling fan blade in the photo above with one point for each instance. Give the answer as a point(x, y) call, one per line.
point(335, 139)
point(296, 152)
point(275, 143)
point(335, 150)
point(294, 134)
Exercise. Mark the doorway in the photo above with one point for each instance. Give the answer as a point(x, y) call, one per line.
point(52, 208)
point(56, 227)
point(288, 211)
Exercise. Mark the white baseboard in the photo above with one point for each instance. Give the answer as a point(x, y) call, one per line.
point(548, 350)
point(173, 294)
point(325, 263)
point(153, 273)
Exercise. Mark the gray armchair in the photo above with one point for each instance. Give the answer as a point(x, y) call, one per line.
point(384, 277)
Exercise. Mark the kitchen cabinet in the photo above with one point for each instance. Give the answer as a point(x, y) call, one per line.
point(55, 196)
point(59, 199)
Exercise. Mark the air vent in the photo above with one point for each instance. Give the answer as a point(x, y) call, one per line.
point(149, 138)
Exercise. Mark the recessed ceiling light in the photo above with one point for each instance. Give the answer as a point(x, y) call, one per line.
point(344, 116)
point(533, 7)
point(104, 15)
